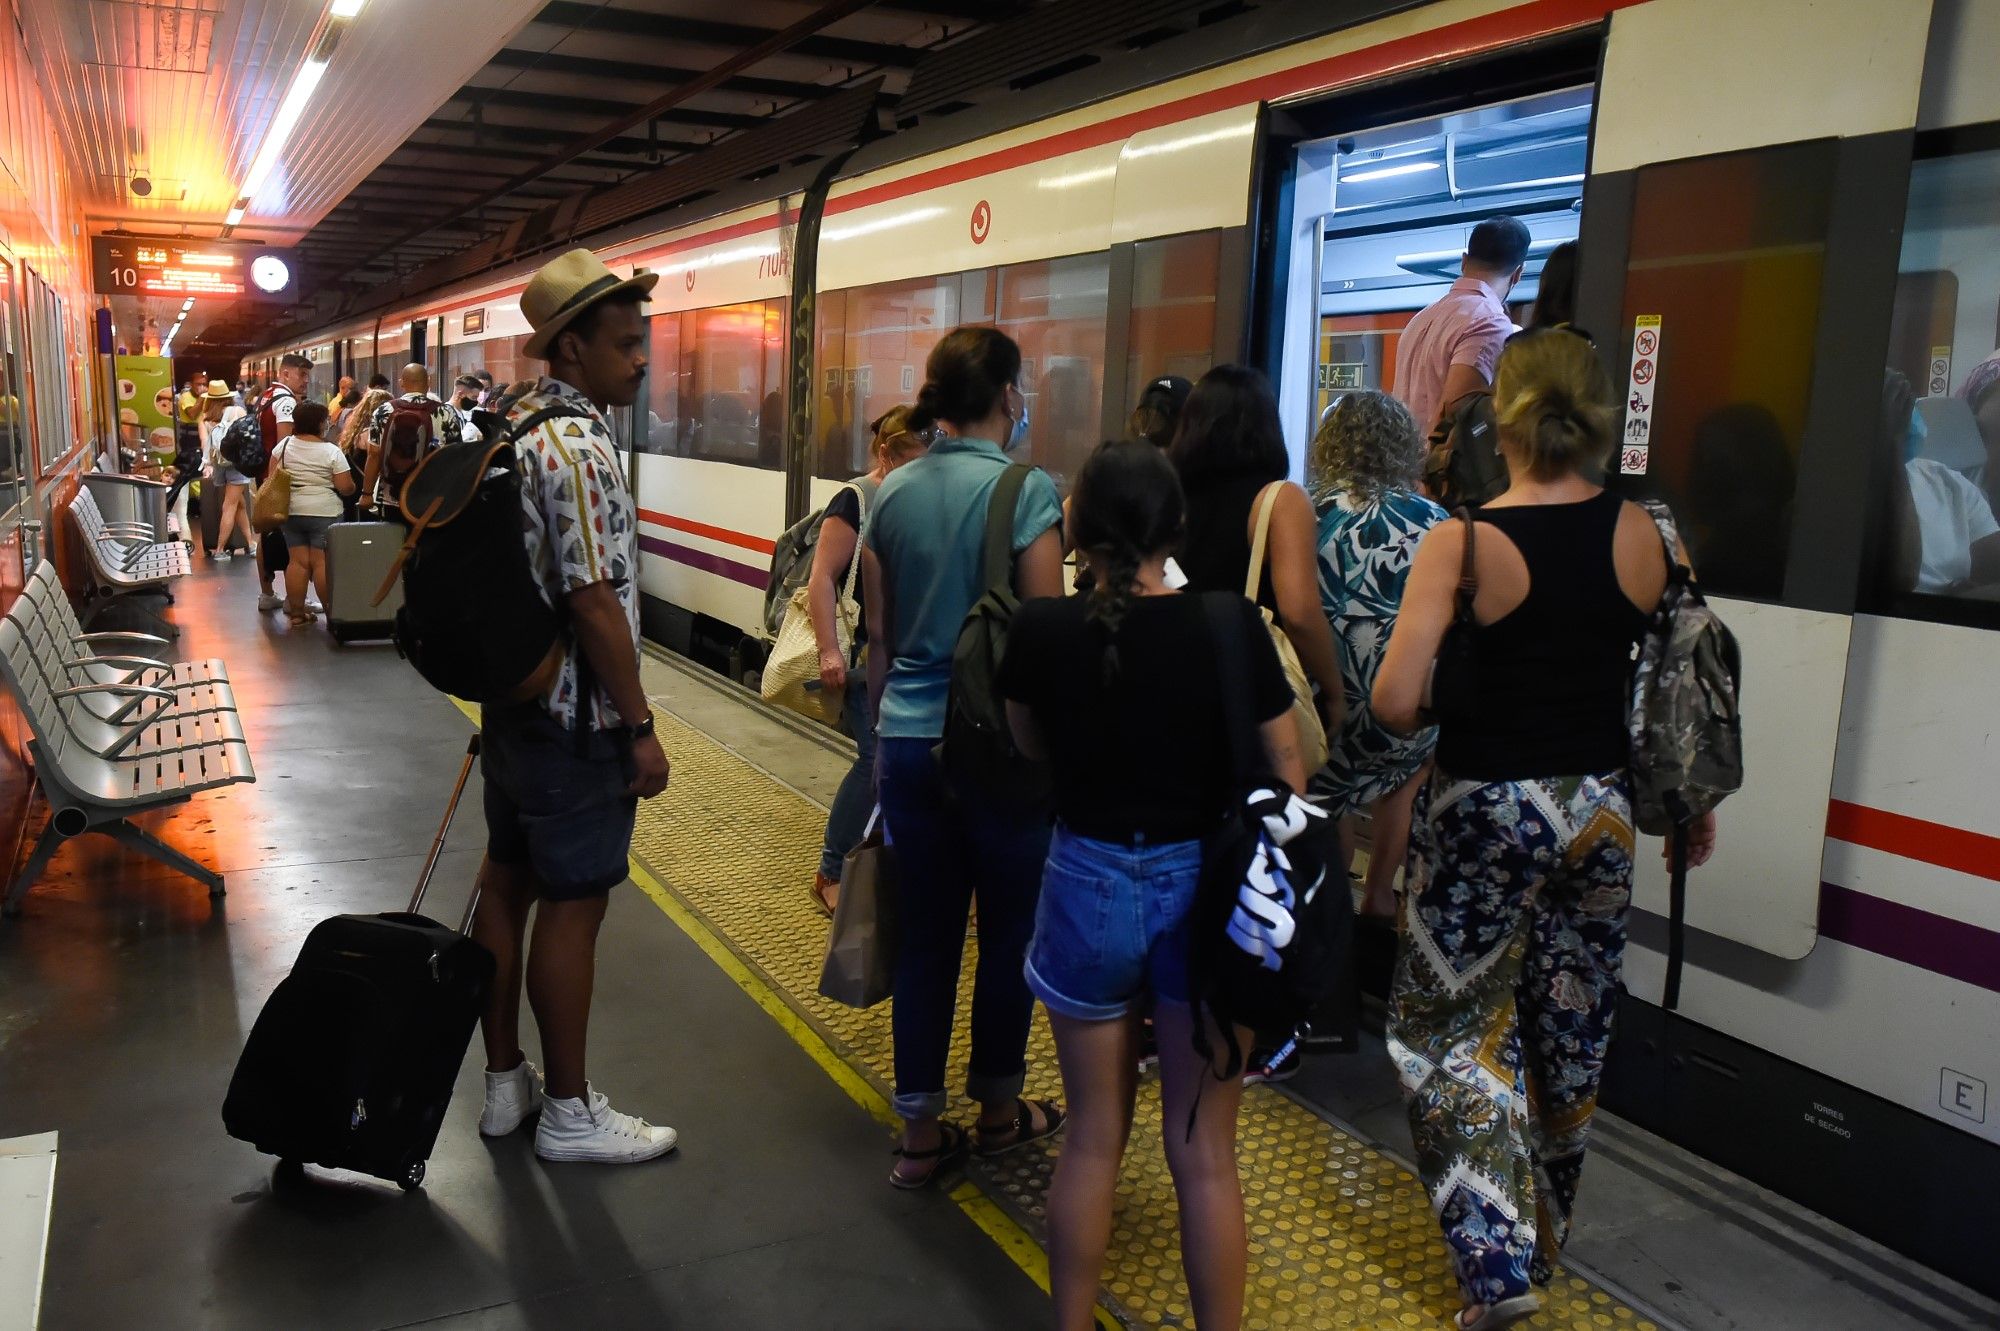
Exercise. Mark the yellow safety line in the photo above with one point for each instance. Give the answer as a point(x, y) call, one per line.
point(995, 1223)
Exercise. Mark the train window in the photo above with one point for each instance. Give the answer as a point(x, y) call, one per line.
point(1941, 398)
point(715, 384)
point(1174, 281)
point(498, 356)
point(13, 419)
point(1727, 253)
point(872, 343)
point(1055, 310)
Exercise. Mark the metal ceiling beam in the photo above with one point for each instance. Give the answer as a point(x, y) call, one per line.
point(453, 155)
point(424, 174)
point(632, 71)
point(961, 11)
point(597, 108)
point(666, 27)
point(629, 144)
point(773, 44)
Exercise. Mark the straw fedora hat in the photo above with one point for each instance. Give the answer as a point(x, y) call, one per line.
point(566, 287)
point(218, 388)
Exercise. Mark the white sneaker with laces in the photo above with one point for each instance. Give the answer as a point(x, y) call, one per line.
point(266, 601)
point(512, 1098)
point(221, 556)
point(590, 1129)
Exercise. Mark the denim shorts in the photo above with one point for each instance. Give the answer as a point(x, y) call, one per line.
point(563, 811)
point(305, 532)
point(231, 476)
point(1112, 925)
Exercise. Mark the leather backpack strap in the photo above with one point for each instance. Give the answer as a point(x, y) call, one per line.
point(999, 560)
point(1267, 502)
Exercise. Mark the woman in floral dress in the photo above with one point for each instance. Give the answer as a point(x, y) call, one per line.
point(1366, 460)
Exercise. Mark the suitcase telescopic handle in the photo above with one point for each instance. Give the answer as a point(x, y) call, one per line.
point(437, 842)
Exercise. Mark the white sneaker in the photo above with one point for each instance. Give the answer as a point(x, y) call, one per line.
point(512, 1098)
point(221, 556)
point(590, 1129)
point(266, 601)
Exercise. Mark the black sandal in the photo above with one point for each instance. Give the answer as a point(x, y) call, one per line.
point(951, 1145)
point(1023, 1128)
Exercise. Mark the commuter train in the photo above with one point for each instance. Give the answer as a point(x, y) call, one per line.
point(1778, 216)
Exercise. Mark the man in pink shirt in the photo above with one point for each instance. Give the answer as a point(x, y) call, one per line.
point(1452, 345)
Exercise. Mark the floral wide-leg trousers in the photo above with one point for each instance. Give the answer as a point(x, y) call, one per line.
point(1500, 1013)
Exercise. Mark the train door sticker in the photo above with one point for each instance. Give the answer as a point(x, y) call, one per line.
point(1635, 450)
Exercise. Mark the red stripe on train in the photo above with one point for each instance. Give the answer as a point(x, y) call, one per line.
point(713, 533)
point(1915, 839)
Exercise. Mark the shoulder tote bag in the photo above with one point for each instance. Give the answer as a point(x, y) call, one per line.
point(791, 675)
point(1312, 735)
point(273, 503)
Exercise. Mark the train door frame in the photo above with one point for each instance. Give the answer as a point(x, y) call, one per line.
point(1570, 59)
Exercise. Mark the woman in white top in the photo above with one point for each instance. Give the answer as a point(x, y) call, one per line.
point(320, 476)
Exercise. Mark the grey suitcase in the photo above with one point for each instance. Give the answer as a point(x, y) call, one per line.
point(358, 556)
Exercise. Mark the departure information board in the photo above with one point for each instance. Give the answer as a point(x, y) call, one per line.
point(155, 266)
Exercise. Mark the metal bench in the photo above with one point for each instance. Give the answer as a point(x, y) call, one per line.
point(44, 611)
point(128, 558)
point(97, 772)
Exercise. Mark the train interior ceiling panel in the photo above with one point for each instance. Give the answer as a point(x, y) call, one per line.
point(1781, 227)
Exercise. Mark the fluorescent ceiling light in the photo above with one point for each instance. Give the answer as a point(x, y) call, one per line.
point(282, 126)
point(347, 8)
point(235, 217)
point(1385, 172)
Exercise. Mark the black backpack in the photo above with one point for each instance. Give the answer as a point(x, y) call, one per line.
point(245, 444)
point(978, 749)
point(1270, 935)
point(1463, 468)
point(474, 621)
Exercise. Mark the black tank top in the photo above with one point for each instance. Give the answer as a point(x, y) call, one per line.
point(1555, 675)
point(1216, 554)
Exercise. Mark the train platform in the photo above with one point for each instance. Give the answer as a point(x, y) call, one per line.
point(126, 993)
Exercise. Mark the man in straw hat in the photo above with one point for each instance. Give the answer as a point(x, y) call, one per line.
point(564, 772)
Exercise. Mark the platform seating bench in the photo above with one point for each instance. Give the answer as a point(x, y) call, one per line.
point(112, 737)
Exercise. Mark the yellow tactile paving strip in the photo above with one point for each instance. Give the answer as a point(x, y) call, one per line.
point(1339, 1235)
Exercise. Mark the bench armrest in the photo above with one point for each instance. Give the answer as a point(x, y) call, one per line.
point(137, 662)
point(117, 690)
point(84, 639)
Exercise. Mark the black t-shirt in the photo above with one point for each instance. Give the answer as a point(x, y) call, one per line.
point(1145, 751)
point(846, 506)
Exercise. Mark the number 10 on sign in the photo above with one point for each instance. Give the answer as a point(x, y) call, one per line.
point(1635, 445)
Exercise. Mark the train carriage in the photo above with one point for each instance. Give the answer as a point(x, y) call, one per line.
point(1778, 215)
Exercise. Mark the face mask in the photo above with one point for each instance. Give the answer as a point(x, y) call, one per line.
point(1913, 438)
point(1019, 434)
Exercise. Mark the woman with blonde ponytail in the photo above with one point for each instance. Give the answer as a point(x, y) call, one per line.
point(1500, 1011)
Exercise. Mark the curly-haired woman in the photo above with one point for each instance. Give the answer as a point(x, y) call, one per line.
point(1366, 459)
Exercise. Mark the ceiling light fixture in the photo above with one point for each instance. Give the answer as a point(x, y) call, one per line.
point(292, 108)
point(1385, 172)
point(347, 8)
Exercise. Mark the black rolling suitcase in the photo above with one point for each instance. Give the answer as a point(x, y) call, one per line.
point(351, 1062)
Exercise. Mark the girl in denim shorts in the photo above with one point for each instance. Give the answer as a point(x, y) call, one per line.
point(1121, 690)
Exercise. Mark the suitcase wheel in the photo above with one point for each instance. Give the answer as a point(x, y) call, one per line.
point(413, 1176)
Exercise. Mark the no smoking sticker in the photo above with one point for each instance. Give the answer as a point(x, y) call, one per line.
point(1635, 451)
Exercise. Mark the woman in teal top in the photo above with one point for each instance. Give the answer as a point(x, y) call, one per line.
point(920, 567)
point(1366, 459)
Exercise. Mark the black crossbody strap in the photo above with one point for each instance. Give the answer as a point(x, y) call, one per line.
point(999, 562)
point(1232, 664)
point(1677, 885)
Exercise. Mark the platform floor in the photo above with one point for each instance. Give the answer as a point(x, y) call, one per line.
point(125, 995)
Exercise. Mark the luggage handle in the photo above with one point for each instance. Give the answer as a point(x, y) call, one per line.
point(437, 842)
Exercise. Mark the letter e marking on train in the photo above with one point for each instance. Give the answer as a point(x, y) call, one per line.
point(982, 222)
point(1962, 1094)
point(1635, 451)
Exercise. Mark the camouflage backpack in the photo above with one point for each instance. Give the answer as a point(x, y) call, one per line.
point(1686, 723)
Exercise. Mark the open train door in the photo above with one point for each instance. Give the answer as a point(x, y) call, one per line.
point(1747, 184)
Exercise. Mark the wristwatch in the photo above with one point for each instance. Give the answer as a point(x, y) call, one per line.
point(644, 730)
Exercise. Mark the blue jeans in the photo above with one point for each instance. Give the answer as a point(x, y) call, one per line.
point(948, 846)
point(856, 796)
point(1112, 925)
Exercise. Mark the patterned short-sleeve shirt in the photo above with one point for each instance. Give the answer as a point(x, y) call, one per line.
point(580, 523)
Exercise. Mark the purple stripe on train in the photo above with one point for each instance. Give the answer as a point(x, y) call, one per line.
point(706, 562)
point(1934, 943)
